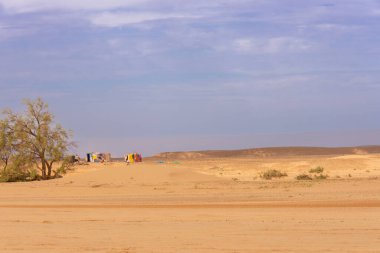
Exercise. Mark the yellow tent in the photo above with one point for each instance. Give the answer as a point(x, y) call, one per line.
point(130, 158)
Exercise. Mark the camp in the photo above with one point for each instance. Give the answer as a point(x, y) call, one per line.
point(132, 157)
point(98, 157)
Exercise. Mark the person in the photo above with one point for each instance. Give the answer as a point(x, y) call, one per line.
point(126, 159)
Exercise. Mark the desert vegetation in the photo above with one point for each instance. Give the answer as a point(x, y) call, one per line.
point(304, 177)
point(317, 169)
point(269, 174)
point(314, 173)
point(32, 145)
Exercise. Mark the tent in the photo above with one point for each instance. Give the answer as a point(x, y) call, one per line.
point(98, 157)
point(133, 157)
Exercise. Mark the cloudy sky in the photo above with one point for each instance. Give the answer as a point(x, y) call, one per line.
point(163, 75)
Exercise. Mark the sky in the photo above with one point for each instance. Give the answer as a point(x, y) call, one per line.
point(168, 75)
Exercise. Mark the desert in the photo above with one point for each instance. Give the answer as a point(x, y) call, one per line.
point(167, 126)
point(201, 202)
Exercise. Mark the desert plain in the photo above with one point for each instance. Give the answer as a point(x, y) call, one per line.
point(201, 202)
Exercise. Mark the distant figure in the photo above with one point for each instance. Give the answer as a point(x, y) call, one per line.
point(126, 159)
point(94, 158)
point(138, 158)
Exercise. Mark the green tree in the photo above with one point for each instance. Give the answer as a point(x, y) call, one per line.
point(38, 137)
point(6, 144)
point(14, 165)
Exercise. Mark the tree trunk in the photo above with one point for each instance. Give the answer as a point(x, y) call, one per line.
point(43, 169)
point(5, 165)
point(49, 166)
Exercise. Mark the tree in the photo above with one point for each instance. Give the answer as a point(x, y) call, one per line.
point(15, 165)
point(38, 138)
point(6, 143)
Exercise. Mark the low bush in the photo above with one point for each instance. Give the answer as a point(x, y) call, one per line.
point(17, 170)
point(34, 175)
point(269, 174)
point(304, 177)
point(318, 169)
point(321, 176)
point(13, 176)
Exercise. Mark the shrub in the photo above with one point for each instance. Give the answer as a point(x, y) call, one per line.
point(321, 176)
point(304, 177)
point(33, 175)
point(318, 169)
point(17, 170)
point(269, 174)
point(65, 166)
point(13, 175)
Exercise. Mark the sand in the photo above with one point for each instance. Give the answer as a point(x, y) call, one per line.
point(209, 204)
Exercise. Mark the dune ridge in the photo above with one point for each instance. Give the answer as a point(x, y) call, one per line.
point(271, 152)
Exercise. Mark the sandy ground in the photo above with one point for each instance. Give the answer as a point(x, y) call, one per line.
point(207, 205)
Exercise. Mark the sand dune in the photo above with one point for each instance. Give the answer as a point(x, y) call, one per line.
point(271, 152)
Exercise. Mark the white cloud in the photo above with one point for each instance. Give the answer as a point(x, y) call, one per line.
point(22, 6)
point(271, 82)
point(7, 31)
point(376, 12)
point(130, 47)
point(334, 27)
point(110, 19)
point(25, 6)
point(270, 46)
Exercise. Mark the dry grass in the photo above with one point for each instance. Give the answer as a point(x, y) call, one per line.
point(269, 174)
point(318, 169)
point(304, 177)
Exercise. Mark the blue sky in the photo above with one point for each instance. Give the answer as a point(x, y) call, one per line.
point(164, 75)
